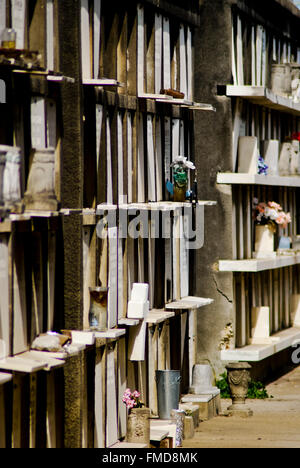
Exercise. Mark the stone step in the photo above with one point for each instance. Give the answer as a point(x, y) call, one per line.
point(193, 410)
point(125, 445)
point(209, 405)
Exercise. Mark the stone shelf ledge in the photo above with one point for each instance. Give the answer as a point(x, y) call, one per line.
point(167, 99)
point(128, 322)
point(86, 337)
point(157, 435)
point(257, 179)
point(102, 82)
point(20, 364)
point(111, 333)
point(264, 97)
point(161, 205)
point(156, 316)
point(7, 224)
point(48, 74)
point(257, 352)
point(259, 264)
point(164, 425)
point(61, 355)
point(42, 356)
point(42, 214)
point(4, 378)
point(189, 302)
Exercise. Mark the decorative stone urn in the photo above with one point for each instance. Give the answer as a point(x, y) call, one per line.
point(40, 194)
point(238, 375)
point(138, 426)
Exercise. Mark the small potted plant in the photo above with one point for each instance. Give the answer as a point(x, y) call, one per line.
point(268, 217)
point(138, 422)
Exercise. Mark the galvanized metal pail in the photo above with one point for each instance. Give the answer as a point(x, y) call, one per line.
point(168, 392)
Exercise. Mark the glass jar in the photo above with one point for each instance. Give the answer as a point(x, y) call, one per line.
point(8, 38)
point(98, 308)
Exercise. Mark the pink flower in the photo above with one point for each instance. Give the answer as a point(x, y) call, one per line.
point(136, 394)
point(274, 205)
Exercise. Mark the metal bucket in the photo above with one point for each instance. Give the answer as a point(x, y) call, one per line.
point(168, 392)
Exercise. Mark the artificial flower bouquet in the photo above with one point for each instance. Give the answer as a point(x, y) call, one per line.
point(132, 399)
point(270, 214)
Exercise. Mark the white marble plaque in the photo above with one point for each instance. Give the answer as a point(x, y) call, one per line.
point(166, 54)
point(158, 53)
point(111, 392)
point(112, 277)
point(50, 34)
point(270, 154)
point(183, 61)
point(99, 118)
point(2, 15)
point(120, 158)
point(140, 49)
point(2, 92)
point(4, 299)
point(97, 35)
point(158, 161)
point(18, 19)
point(260, 322)
point(141, 162)
point(51, 123)
point(85, 40)
point(129, 157)
point(137, 342)
point(38, 122)
point(151, 163)
point(99, 441)
point(247, 155)
point(295, 310)
point(184, 260)
point(285, 159)
point(109, 181)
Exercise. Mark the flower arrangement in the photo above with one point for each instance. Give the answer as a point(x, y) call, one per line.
point(132, 399)
point(270, 213)
point(295, 136)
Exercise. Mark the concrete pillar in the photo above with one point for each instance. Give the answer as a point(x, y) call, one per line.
point(213, 154)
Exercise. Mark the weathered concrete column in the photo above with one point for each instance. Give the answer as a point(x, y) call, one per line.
point(213, 154)
point(71, 190)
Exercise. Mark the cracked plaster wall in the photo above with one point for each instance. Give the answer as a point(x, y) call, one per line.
point(213, 143)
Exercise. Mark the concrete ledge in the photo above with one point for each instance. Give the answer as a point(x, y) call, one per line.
point(124, 445)
point(194, 409)
point(209, 405)
point(258, 352)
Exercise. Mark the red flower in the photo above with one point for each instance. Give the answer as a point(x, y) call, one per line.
point(296, 136)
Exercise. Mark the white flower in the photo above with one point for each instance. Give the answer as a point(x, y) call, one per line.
point(183, 160)
point(271, 213)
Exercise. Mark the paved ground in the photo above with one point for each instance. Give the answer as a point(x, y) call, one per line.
point(275, 422)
